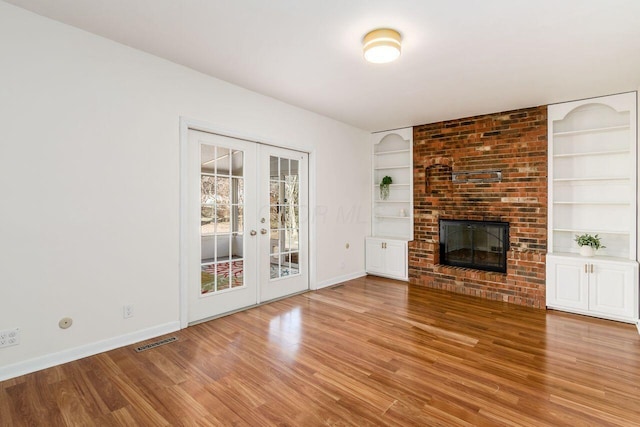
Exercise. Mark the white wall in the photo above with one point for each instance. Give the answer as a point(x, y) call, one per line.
point(89, 181)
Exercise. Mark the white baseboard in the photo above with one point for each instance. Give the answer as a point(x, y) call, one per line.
point(340, 279)
point(53, 359)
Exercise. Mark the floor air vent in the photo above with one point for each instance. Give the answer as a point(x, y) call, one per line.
point(156, 344)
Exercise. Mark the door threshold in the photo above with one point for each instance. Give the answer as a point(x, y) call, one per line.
point(228, 313)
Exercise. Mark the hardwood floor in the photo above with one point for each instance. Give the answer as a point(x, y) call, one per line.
point(369, 352)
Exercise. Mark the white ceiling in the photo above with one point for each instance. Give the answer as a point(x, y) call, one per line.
point(459, 57)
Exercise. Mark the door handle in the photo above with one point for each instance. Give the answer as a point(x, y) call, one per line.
point(585, 269)
point(253, 232)
point(263, 231)
point(591, 268)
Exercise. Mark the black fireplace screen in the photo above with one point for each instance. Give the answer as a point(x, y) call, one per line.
point(481, 245)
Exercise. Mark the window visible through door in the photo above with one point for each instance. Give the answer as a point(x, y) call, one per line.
point(284, 214)
point(222, 214)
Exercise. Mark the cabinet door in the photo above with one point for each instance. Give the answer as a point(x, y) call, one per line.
point(374, 256)
point(567, 284)
point(395, 259)
point(612, 289)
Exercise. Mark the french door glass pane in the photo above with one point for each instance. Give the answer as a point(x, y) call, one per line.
point(222, 161)
point(238, 219)
point(274, 192)
point(222, 218)
point(238, 191)
point(284, 217)
point(237, 163)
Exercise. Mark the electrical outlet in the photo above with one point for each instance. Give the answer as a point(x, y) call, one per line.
point(9, 337)
point(127, 311)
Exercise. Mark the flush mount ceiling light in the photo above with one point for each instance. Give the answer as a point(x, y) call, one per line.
point(381, 45)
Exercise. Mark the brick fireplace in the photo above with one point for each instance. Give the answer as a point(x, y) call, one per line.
point(485, 168)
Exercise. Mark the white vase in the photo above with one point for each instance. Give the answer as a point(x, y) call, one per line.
point(587, 251)
point(384, 192)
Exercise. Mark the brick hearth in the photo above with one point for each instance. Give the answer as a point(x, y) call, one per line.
point(514, 142)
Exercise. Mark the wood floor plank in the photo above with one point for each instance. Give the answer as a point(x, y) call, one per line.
point(369, 352)
point(137, 394)
point(73, 408)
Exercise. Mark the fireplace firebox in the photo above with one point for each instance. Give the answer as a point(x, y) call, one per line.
point(481, 245)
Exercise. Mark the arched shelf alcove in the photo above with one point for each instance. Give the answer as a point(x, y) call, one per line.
point(393, 157)
point(592, 174)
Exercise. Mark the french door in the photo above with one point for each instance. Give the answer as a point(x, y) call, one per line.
point(247, 224)
point(284, 227)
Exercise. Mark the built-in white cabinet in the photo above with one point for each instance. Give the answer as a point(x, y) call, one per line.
point(593, 286)
point(387, 257)
point(392, 212)
point(593, 189)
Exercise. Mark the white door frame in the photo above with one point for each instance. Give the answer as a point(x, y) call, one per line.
point(185, 125)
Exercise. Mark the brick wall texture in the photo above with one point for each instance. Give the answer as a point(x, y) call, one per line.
point(514, 142)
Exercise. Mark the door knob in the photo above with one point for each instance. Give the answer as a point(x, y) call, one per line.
point(253, 232)
point(263, 231)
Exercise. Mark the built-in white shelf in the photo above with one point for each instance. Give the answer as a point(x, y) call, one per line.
point(620, 203)
point(590, 231)
point(393, 167)
point(594, 178)
point(384, 153)
point(392, 155)
point(588, 131)
point(592, 153)
point(592, 174)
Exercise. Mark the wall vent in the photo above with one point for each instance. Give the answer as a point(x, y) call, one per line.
point(156, 344)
